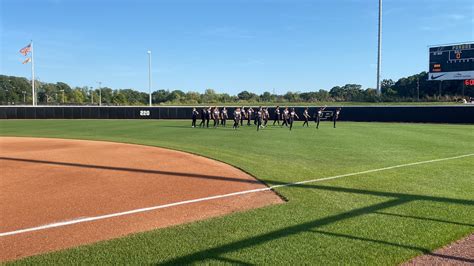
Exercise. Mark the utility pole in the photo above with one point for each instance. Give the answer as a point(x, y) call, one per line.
point(100, 93)
point(149, 76)
point(63, 95)
point(418, 89)
point(379, 54)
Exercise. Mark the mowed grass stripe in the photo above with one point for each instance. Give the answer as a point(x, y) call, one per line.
point(375, 218)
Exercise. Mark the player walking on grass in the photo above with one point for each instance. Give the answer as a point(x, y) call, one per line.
point(276, 115)
point(335, 116)
point(249, 115)
point(306, 117)
point(237, 118)
point(203, 117)
point(255, 122)
point(258, 118)
point(224, 116)
point(208, 116)
point(318, 115)
point(194, 115)
point(242, 116)
point(292, 116)
point(285, 117)
point(266, 116)
point(216, 116)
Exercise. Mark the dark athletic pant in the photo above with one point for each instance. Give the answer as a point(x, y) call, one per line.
point(242, 120)
point(265, 121)
point(194, 122)
point(216, 122)
point(334, 122)
point(223, 121)
point(258, 123)
point(207, 122)
point(236, 123)
point(248, 120)
point(306, 122)
point(291, 120)
point(276, 120)
point(285, 122)
point(317, 121)
point(203, 122)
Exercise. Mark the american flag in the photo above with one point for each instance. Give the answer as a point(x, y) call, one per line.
point(27, 60)
point(25, 50)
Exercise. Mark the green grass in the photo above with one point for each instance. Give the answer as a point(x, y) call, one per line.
point(379, 218)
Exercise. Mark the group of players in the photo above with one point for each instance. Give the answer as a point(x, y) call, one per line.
point(260, 117)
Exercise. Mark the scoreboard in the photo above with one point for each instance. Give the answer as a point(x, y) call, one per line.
point(452, 62)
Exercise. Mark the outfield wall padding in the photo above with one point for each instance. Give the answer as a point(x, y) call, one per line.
point(417, 114)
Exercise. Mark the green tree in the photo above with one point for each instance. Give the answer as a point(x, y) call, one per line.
point(209, 96)
point(244, 95)
point(119, 99)
point(266, 97)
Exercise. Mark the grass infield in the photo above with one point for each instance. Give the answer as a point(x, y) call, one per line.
point(377, 218)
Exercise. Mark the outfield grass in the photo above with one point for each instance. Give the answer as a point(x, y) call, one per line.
point(378, 218)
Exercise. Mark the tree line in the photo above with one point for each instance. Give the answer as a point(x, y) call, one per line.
point(17, 90)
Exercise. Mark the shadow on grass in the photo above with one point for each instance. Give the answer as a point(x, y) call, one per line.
point(423, 250)
point(423, 218)
point(395, 199)
point(145, 171)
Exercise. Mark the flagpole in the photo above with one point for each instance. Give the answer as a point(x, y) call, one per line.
point(33, 75)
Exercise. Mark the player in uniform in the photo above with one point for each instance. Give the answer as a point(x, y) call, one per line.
point(335, 116)
point(285, 117)
point(242, 116)
point(276, 117)
point(224, 116)
point(266, 116)
point(292, 116)
point(208, 116)
point(237, 118)
point(215, 116)
point(195, 114)
point(317, 116)
point(258, 118)
point(306, 117)
point(255, 119)
point(249, 115)
point(203, 117)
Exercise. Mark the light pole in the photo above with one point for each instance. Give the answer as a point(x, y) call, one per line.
point(63, 94)
point(24, 96)
point(379, 54)
point(149, 77)
point(418, 89)
point(100, 93)
point(92, 95)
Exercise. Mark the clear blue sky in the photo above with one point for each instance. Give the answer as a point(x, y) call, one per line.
point(227, 45)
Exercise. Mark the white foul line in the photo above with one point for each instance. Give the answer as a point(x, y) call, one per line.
point(106, 216)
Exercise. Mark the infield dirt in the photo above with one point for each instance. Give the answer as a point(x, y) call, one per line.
point(46, 181)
